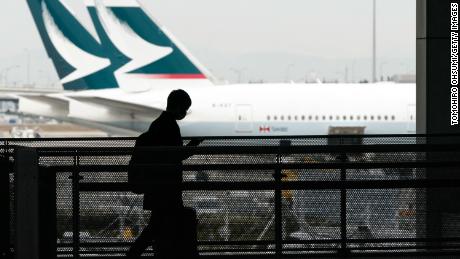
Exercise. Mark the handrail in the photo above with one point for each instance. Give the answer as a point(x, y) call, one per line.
point(267, 164)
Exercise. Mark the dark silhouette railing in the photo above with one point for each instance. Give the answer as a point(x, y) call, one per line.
point(275, 197)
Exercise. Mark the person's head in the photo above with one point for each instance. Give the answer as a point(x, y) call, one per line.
point(178, 103)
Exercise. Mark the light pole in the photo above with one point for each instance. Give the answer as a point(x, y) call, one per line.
point(374, 76)
point(238, 72)
point(288, 69)
point(5, 73)
point(381, 69)
point(27, 66)
point(353, 71)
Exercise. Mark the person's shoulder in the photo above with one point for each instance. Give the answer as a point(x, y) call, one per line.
point(143, 138)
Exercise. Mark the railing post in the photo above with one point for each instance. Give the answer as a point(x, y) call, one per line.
point(278, 200)
point(76, 205)
point(343, 206)
point(5, 201)
point(27, 243)
point(278, 209)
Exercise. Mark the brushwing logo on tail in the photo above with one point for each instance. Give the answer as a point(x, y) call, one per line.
point(129, 42)
point(135, 46)
point(84, 63)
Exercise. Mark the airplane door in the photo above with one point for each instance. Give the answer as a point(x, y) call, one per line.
point(411, 118)
point(243, 118)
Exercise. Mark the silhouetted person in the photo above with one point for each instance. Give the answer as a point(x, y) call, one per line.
point(172, 227)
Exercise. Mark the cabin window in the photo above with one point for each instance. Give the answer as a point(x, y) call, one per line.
point(275, 117)
point(268, 117)
point(303, 117)
point(295, 117)
point(393, 118)
point(282, 117)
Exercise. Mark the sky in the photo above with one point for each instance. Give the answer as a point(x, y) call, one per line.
point(248, 40)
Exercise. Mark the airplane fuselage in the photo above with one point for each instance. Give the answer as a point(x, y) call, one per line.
point(276, 109)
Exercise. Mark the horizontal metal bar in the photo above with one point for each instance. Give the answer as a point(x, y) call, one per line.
point(291, 185)
point(366, 136)
point(258, 167)
point(288, 242)
point(304, 149)
point(269, 255)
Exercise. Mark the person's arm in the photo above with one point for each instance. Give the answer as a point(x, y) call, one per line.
point(193, 143)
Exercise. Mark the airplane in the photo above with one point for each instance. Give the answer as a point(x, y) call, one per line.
point(118, 70)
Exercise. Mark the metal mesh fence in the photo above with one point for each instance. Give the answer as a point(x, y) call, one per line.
point(335, 193)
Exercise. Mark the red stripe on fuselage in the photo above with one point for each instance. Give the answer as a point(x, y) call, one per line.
point(172, 76)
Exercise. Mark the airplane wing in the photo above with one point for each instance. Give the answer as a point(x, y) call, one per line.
point(116, 104)
point(92, 110)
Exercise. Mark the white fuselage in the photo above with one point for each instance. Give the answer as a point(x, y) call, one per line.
point(273, 109)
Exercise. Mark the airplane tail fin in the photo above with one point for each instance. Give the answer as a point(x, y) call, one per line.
point(122, 46)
